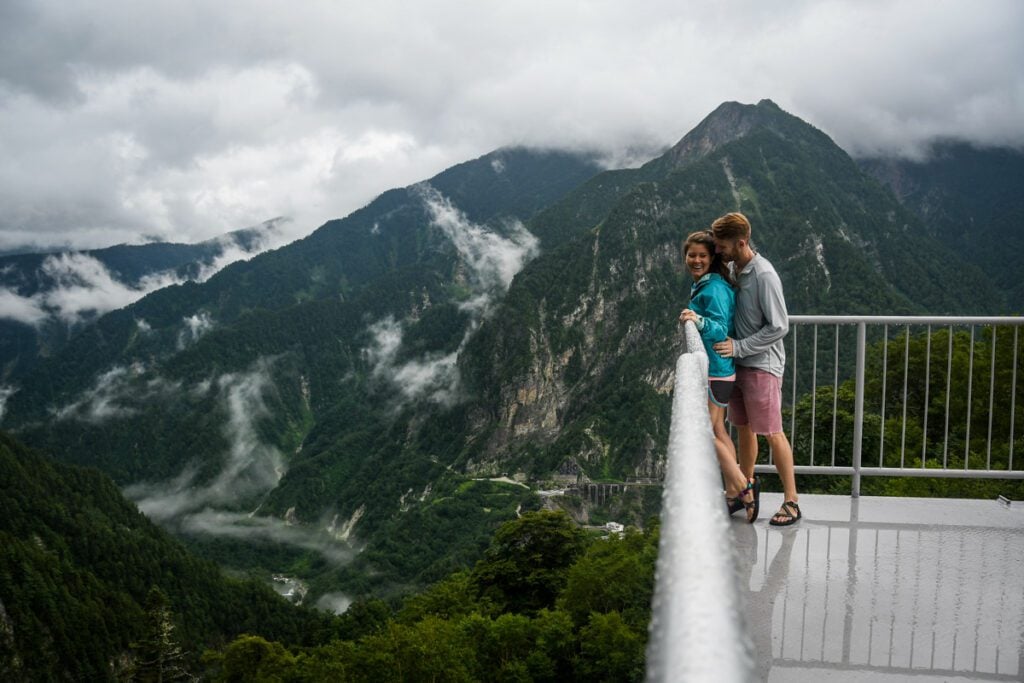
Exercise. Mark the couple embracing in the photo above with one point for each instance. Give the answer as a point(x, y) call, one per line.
point(736, 302)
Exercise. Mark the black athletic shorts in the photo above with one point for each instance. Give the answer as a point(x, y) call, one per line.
point(719, 391)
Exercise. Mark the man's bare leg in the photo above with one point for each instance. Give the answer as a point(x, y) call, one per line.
point(747, 450)
point(782, 454)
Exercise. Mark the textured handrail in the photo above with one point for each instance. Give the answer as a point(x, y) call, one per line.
point(697, 629)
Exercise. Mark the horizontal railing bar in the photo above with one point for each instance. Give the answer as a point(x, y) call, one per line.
point(906, 320)
point(897, 472)
point(963, 674)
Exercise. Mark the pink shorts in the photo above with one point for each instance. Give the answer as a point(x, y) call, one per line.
point(756, 401)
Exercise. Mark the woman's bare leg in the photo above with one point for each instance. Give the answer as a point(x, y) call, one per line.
point(726, 452)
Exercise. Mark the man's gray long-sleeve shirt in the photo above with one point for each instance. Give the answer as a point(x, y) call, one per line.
point(761, 317)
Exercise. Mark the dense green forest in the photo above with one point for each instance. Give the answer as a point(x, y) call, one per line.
point(544, 603)
point(86, 580)
point(91, 590)
point(970, 199)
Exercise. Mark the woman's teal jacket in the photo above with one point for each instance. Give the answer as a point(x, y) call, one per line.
point(714, 300)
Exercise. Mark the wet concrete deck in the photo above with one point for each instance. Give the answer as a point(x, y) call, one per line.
point(885, 589)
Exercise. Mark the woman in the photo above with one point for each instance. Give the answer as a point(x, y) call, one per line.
point(711, 308)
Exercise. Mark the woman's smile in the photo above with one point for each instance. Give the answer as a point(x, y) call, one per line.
point(698, 260)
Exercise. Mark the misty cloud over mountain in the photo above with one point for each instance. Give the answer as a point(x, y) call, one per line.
point(74, 287)
point(250, 468)
point(117, 393)
point(491, 260)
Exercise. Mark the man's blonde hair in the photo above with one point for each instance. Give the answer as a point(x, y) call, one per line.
point(731, 226)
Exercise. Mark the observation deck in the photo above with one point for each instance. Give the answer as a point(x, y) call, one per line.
point(884, 589)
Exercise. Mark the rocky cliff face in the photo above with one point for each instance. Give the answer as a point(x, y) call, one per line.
point(580, 353)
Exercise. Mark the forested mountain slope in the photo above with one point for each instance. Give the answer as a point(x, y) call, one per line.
point(77, 565)
point(972, 201)
point(514, 316)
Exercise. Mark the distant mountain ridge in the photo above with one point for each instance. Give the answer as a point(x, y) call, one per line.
point(971, 200)
point(46, 297)
point(514, 316)
point(129, 263)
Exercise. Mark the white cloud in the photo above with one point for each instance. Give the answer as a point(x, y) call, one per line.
point(110, 130)
point(28, 310)
point(254, 528)
point(5, 393)
point(117, 393)
point(250, 468)
point(84, 285)
point(338, 603)
point(81, 287)
point(492, 258)
point(492, 261)
point(78, 286)
point(434, 376)
point(195, 327)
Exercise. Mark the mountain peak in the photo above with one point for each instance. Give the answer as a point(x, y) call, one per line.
point(731, 121)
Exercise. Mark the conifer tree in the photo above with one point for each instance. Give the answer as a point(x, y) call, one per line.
point(158, 656)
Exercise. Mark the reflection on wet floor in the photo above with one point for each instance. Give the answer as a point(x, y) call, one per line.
point(886, 589)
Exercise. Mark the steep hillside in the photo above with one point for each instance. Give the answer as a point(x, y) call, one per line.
point(972, 201)
point(238, 380)
point(511, 318)
point(77, 564)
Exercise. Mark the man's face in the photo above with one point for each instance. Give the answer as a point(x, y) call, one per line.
point(729, 249)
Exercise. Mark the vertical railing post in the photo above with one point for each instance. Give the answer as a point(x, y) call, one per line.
point(858, 409)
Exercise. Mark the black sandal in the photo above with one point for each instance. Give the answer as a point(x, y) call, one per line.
point(756, 504)
point(736, 504)
point(786, 513)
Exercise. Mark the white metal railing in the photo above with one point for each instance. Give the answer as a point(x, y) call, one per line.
point(697, 629)
point(954, 417)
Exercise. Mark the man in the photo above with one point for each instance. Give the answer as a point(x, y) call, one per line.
point(761, 323)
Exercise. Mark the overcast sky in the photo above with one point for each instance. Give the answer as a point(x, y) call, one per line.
point(127, 120)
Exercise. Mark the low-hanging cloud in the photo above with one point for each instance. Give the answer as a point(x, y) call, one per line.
point(338, 603)
point(249, 527)
point(195, 326)
point(5, 393)
point(434, 376)
point(82, 287)
point(79, 287)
point(119, 392)
point(492, 261)
point(251, 468)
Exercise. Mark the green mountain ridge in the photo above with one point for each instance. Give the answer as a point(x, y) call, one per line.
point(368, 381)
point(45, 292)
